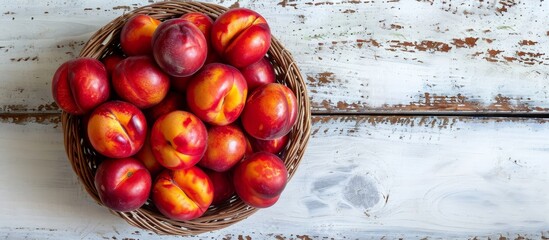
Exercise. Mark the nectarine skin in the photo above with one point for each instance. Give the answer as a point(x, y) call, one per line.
point(179, 47)
point(123, 184)
point(179, 140)
point(223, 185)
point(217, 94)
point(274, 146)
point(136, 35)
point(140, 81)
point(258, 74)
point(249, 148)
point(173, 101)
point(259, 179)
point(241, 37)
point(292, 105)
point(146, 156)
point(80, 85)
point(226, 147)
point(270, 112)
point(117, 129)
point(111, 62)
point(183, 194)
point(204, 23)
point(201, 21)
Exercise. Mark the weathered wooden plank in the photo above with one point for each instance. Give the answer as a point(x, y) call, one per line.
point(38, 37)
point(426, 55)
point(411, 177)
point(356, 56)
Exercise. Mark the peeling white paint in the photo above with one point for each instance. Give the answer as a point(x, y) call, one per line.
point(463, 178)
point(411, 177)
point(371, 75)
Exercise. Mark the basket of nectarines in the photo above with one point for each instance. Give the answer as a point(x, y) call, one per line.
point(183, 117)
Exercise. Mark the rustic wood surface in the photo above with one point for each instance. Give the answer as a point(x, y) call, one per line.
point(369, 172)
point(412, 177)
point(357, 56)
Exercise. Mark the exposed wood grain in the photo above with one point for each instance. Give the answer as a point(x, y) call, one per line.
point(363, 176)
point(24, 118)
point(410, 177)
point(463, 50)
point(357, 56)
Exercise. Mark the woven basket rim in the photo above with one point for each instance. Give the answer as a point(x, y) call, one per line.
point(84, 160)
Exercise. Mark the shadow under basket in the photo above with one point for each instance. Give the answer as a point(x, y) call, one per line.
point(85, 160)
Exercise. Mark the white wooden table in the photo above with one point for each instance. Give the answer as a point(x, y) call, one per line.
point(428, 121)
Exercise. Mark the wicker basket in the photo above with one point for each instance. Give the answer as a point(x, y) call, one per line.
point(84, 159)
